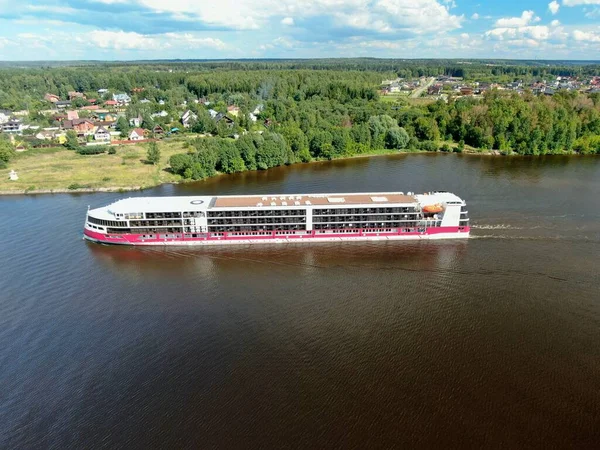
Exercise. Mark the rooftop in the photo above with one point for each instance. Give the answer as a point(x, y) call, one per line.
point(313, 199)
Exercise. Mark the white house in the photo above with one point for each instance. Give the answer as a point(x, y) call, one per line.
point(137, 134)
point(122, 99)
point(4, 116)
point(102, 134)
point(163, 113)
point(13, 126)
point(212, 113)
point(187, 118)
point(136, 122)
point(252, 117)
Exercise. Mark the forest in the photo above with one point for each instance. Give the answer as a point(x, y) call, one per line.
point(325, 109)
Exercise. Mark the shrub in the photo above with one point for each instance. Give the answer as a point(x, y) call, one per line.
point(93, 150)
point(446, 148)
point(428, 146)
point(112, 151)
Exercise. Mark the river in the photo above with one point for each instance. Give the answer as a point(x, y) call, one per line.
point(491, 342)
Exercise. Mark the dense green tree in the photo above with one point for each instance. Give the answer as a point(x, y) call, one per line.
point(72, 143)
point(396, 138)
point(6, 151)
point(153, 154)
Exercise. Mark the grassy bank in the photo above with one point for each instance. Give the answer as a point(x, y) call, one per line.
point(60, 170)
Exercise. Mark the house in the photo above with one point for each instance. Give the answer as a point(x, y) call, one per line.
point(102, 134)
point(72, 115)
point(102, 91)
point(112, 124)
point(122, 99)
point(83, 127)
point(51, 98)
point(187, 118)
point(212, 113)
point(268, 123)
point(144, 100)
point(227, 120)
point(436, 89)
point(45, 135)
point(466, 90)
point(13, 126)
point(4, 116)
point(111, 103)
point(137, 90)
point(137, 134)
point(252, 117)
point(136, 121)
point(73, 95)
point(92, 101)
point(63, 104)
point(233, 110)
point(161, 102)
point(13, 176)
point(158, 130)
point(259, 108)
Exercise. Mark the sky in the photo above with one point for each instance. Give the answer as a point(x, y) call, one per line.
point(218, 29)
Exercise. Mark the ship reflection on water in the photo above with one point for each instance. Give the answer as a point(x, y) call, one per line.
point(302, 259)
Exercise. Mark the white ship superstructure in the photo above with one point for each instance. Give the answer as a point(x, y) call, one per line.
point(217, 220)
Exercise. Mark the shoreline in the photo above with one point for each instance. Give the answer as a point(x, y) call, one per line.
point(84, 190)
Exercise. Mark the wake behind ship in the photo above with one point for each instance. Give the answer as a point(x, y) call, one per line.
point(205, 220)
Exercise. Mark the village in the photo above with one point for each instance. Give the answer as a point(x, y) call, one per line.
point(442, 87)
point(112, 119)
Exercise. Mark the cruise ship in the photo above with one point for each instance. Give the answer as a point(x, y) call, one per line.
point(249, 219)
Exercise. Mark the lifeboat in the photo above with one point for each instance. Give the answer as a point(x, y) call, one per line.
point(433, 209)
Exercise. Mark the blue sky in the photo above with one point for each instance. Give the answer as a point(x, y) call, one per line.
point(158, 29)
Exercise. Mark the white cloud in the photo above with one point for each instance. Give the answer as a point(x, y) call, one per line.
point(287, 21)
point(555, 23)
point(121, 40)
point(586, 36)
point(526, 18)
point(580, 2)
point(475, 16)
point(553, 6)
point(418, 16)
point(538, 32)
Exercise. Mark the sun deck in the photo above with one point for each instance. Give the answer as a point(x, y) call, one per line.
point(320, 199)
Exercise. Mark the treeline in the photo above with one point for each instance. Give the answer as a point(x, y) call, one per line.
point(524, 124)
point(290, 144)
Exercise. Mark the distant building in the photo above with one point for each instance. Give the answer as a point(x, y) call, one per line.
point(73, 95)
point(137, 134)
point(4, 116)
point(233, 110)
point(13, 126)
point(102, 134)
point(187, 118)
point(51, 98)
point(136, 121)
point(122, 99)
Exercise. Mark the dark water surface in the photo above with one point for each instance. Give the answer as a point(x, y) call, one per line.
point(491, 342)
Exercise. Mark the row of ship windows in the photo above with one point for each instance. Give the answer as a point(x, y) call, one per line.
point(323, 219)
point(258, 213)
point(350, 211)
point(248, 221)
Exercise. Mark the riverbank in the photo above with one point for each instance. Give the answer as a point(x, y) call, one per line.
point(59, 170)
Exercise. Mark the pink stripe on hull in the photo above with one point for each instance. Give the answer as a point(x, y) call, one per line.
point(137, 239)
